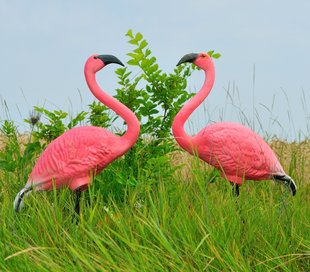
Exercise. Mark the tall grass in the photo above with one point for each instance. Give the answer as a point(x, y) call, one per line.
point(180, 223)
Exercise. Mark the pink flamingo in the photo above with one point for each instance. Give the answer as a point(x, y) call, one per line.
point(74, 157)
point(238, 152)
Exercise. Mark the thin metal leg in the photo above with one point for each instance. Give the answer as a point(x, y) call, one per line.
point(77, 203)
point(235, 189)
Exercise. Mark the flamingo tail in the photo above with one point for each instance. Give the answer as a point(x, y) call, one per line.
point(287, 181)
point(19, 199)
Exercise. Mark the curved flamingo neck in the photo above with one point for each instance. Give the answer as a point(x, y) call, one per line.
point(133, 125)
point(184, 140)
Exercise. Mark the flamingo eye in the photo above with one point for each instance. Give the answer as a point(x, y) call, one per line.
point(203, 55)
point(95, 57)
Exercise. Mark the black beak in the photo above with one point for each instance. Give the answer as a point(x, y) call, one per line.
point(188, 58)
point(107, 59)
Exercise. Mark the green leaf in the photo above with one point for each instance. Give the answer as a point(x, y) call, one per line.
point(147, 52)
point(216, 55)
point(120, 71)
point(138, 36)
point(133, 41)
point(152, 60)
point(210, 53)
point(153, 111)
point(133, 62)
point(143, 44)
point(136, 56)
point(153, 68)
point(129, 34)
point(138, 50)
point(133, 55)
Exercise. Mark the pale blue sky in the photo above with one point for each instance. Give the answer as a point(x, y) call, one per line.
point(44, 45)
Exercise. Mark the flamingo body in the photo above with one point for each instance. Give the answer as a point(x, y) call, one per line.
point(71, 159)
point(237, 151)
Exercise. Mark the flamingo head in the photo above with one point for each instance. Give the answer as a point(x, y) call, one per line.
point(201, 60)
point(96, 62)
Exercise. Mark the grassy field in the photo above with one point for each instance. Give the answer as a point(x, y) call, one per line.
point(186, 221)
